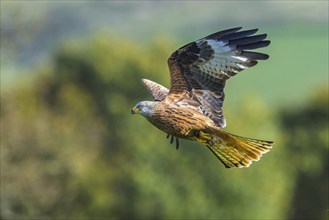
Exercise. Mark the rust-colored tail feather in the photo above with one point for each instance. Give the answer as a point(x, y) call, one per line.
point(233, 150)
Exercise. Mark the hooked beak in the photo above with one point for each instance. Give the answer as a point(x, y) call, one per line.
point(134, 110)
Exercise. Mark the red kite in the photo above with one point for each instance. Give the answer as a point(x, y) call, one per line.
point(192, 107)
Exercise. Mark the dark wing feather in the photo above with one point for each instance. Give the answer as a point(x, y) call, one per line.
point(222, 33)
point(158, 91)
point(202, 67)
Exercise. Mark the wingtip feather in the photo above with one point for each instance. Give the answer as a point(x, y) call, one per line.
point(223, 33)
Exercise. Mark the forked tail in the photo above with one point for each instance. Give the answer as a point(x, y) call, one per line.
point(233, 150)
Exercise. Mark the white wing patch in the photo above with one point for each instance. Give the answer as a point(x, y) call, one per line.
point(243, 59)
point(224, 59)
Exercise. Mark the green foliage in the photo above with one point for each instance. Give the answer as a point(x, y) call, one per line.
point(71, 149)
point(308, 142)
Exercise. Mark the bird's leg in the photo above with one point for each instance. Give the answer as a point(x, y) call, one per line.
point(203, 137)
point(211, 140)
point(172, 140)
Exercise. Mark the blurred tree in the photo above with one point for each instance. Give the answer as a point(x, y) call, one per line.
point(71, 149)
point(70, 117)
point(307, 138)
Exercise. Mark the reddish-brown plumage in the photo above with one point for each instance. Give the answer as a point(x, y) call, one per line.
point(192, 107)
point(172, 118)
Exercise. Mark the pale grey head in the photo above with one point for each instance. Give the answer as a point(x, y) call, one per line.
point(145, 108)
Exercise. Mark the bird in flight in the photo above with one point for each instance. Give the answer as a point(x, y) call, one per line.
point(193, 106)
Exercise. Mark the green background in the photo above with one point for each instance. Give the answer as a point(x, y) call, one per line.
point(70, 149)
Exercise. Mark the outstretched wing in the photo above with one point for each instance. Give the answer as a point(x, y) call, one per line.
point(202, 67)
point(158, 91)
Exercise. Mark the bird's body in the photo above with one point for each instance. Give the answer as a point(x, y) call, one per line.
point(192, 107)
point(168, 117)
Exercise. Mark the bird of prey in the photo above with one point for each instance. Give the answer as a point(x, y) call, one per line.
point(193, 106)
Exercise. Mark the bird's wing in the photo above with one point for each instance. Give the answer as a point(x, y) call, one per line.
point(202, 67)
point(158, 91)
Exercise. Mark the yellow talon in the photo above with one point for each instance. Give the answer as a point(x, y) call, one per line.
point(203, 137)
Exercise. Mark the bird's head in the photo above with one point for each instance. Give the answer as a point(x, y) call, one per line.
point(144, 108)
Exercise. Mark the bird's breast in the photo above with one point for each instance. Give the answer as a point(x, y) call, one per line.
point(178, 121)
